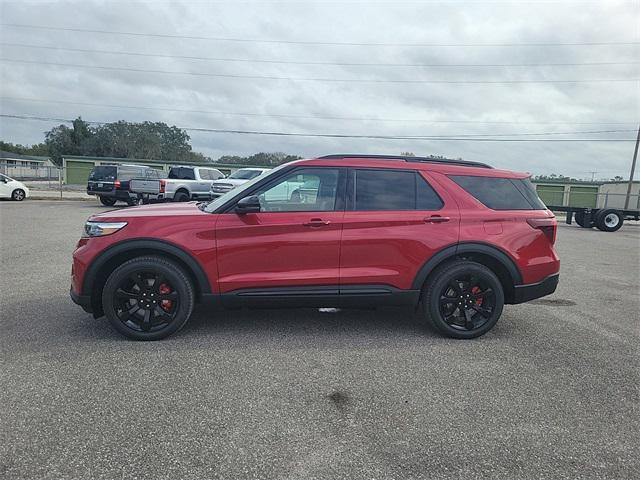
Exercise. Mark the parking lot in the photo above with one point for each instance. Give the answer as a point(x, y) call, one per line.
point(550, 392)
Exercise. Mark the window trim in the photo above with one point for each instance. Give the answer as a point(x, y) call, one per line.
point(351, 190)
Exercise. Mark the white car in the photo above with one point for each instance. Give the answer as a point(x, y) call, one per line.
point(13, 189)
point(237, 178)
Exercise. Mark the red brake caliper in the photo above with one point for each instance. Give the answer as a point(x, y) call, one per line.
point(475, 291)
point(165, 304)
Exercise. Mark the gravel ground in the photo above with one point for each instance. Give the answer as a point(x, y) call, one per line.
point(551, 392)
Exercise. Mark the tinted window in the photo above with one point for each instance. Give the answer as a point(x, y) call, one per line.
point(107, 173)
point(182, 173)
point(205, 174)
point(501, 193)
point(394, 190)
point(306, 190)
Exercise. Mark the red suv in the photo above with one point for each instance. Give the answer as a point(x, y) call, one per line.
point(457, 239)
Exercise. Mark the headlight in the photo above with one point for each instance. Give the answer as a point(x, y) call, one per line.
point(100, 229)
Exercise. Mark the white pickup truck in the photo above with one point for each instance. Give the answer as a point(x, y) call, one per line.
point(184, 183)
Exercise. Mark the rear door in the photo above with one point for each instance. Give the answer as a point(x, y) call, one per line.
point(395, 221)
point(293, 242)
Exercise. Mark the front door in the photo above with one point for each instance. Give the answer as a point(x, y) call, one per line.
point(293, 242)
point(5, 188)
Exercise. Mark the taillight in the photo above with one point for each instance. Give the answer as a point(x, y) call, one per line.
point(163, 186)
point(116, 184)
point(548, 226)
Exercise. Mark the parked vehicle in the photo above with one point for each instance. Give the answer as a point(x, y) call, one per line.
point(13, 189)
point(237, 178)
point(604, 219)
point(184, 183)
point(456, 239)
point(110, 183)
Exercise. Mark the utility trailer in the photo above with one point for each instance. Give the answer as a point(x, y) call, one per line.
point(605, 219)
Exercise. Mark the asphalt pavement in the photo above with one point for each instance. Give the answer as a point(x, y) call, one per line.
point(551, 392)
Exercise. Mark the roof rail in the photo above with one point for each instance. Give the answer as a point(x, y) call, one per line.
point(446, 161)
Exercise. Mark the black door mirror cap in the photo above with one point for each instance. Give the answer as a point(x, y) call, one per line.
point(250, 204)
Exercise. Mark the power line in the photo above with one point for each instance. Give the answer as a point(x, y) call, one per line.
point(318, 117)
point(310, 79)
point(295, 62)
point(308, 42)
point(338, 135)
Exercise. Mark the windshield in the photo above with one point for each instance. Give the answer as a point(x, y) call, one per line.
point(213, 205)
point(103, 173)
point(245, 174)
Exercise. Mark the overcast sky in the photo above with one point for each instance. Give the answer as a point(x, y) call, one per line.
point(380, 99)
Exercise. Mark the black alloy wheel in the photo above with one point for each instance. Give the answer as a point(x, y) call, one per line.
point(148, 298)
point(464, 299)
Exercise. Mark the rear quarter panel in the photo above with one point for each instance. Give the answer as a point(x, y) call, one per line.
point(507, 230)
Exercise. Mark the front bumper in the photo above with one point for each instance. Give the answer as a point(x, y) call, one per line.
point(83, 300)
point(525, 293)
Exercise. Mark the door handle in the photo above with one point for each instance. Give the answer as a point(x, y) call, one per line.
point(436, 219)
point(316, 222)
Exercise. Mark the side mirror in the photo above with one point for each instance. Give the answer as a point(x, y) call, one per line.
point(248, 205)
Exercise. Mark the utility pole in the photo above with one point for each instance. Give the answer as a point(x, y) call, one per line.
point(633, 169)
point(593, 175)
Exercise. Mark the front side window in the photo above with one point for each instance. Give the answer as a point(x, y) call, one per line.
point(394, 190)
point(305, 190)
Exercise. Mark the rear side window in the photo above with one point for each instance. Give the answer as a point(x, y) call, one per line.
point(501, 193)
point(394, 190)
point(182, 173)
point(107, 173)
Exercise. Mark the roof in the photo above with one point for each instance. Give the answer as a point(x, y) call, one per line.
point(17, 156)
point(406, 158)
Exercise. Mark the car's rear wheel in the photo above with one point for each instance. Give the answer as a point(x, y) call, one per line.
point(181, 196)
point(107, 201)
point(463, 299)
point(18, 195)
point(609, 220)
point(148, 298)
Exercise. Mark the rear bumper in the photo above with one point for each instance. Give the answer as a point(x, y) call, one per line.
point(525, 293)
point(83, 300)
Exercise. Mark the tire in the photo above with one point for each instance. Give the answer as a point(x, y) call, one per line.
point(107, 201)
point(609, 220)
point(135, 296)
point(181, 196)
point(580, 220)
point(18, 195)
point(132, 202)
point(467, 282)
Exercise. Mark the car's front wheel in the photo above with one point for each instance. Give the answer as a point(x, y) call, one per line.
point(463, 299)
point(18, 195)
point(148, 298)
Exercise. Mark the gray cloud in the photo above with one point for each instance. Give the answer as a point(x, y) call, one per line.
point(537, 107)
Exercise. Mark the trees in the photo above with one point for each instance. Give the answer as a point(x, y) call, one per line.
point(272, 159)
point(121, 139)
point(37, 149)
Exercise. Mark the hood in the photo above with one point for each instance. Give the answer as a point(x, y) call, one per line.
point(177, 209)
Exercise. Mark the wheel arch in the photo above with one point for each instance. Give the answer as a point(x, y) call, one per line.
point(100, 269)
point(491, 257)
